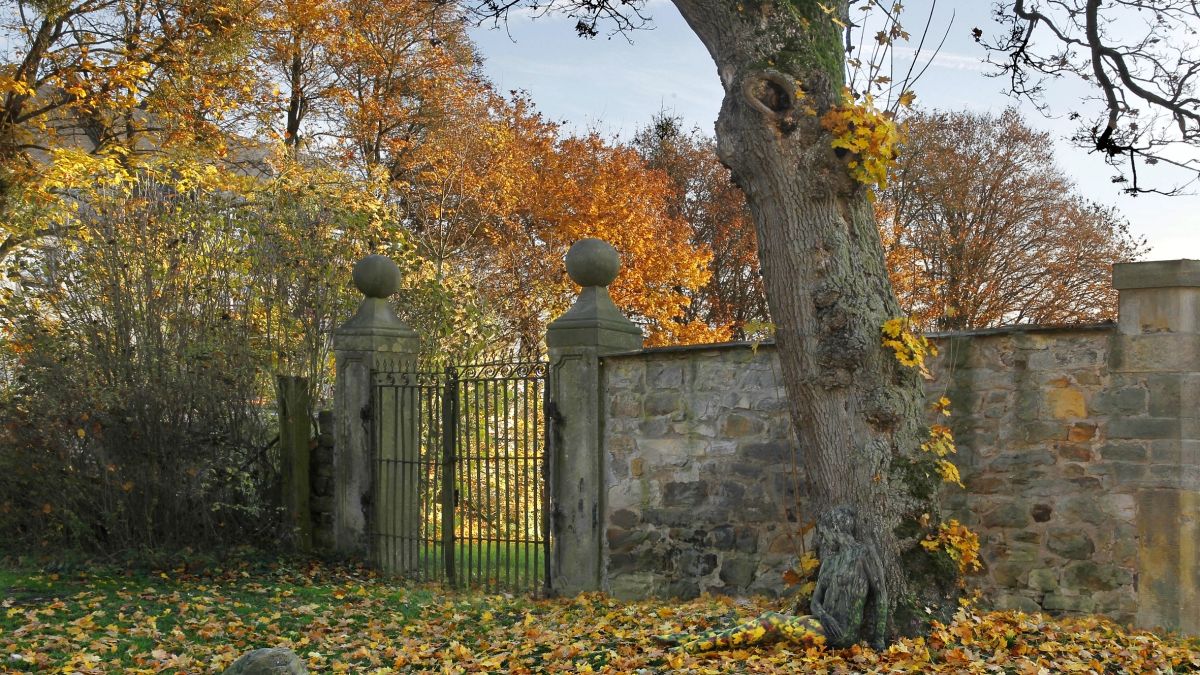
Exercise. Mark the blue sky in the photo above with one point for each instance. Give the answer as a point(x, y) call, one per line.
point(614, 86)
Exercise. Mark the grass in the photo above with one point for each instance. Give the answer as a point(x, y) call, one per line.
point(199, 616)
point(513, 568)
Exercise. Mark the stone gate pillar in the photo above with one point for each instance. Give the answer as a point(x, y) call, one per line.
point(372, 335)
point(1158, 343)
point(591, 328)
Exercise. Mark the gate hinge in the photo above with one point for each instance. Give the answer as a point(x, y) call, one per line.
point(552, 412)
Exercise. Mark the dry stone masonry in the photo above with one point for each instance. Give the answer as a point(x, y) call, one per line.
point(1079, 447)
point(703, 474)
point(676, 471)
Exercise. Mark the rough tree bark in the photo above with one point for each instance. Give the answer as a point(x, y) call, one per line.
point(858, 414)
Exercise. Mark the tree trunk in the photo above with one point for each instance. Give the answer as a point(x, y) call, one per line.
point(858, 414)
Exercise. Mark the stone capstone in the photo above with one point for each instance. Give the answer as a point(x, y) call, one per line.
point(593, 262)
point(377, 276)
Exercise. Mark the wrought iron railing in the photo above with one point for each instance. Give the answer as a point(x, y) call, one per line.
point(460, 471)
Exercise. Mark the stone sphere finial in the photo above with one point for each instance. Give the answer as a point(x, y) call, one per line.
point(593, 262)
point(377, 276)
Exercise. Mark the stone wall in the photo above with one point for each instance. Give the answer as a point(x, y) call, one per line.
point(1079, 447)
point(321, 483)
point(1048, 437)
point(702, 472)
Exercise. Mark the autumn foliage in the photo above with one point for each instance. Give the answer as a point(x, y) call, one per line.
point(185, 189)
point(190, 618)
point(981, 229)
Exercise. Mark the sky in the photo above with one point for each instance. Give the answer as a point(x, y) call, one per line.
point(615, 84)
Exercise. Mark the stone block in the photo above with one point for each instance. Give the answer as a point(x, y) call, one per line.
point(685, 494)
point(664, 375)
point(1164, 395)
point(1043, 579)
point(624, 518)
point(625, 404)
point(1070, 543)
point(1009, 515)
point(634, 585)
point(1041, 432)
point(1122, 473)
point(1019, 460)
point(1147, 428)
point(1081, 431)
point(737, 425)
point(1059, 602)
point(1090, 576)
point(738, 572)
point(1014, 602)
point(1123, 451)
point(1073, 452)
point(721, 538)
point(666, 451)
point(694, 564)
point(662, 403)
point(684, 589)
point(1065, 403)
point(623, 541)
point(1009, 574)
point(770, 453)
point(624, 374)
point(1161, 353)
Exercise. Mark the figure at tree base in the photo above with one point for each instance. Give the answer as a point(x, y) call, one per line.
point(849, 582)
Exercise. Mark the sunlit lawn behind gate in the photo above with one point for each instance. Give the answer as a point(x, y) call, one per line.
point(191, 619)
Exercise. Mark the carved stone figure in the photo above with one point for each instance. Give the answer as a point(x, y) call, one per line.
point(850, 577)
point(850, 573)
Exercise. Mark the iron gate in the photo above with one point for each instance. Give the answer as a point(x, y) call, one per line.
point(460, 462)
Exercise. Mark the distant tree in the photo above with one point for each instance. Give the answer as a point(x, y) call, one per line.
point(980, 228)
point(103, 75)
point(499, 198)
point(703, 195)
point(1139, 56)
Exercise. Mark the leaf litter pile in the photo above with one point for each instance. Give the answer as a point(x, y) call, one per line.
point(345, 619)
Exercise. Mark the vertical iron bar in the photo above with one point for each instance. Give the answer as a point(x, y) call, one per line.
point(468, 492)
point(547, 448)
point(478, 482)
point(502, 487)
point(449, 430)
point(432, 457)
point(393, 501)
point(460, 484)
point(509, 494)
point(489, 410)
point(526, 483)
point(373, 523)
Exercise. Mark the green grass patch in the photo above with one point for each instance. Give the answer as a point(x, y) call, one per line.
point(193, 618)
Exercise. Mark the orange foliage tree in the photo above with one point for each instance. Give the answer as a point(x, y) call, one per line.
point(732, 303)
point(112, 77)
point(980, 228)
point(506, 201)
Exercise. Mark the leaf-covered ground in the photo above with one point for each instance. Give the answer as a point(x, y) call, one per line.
point(344, 619)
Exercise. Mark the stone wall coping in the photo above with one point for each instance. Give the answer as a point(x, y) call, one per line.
point(683, 349)
point(1156, 274)
point(1027, 328)
point(770, 344)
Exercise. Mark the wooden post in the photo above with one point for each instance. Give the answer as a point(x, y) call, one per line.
point(295, 426)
